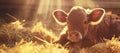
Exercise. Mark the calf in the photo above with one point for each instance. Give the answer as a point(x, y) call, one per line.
point(77, 22)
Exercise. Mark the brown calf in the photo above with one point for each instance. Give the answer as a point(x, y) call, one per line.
point(77, 23)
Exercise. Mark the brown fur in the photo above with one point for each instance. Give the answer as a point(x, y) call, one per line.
point(108, 28)
point(78, 23)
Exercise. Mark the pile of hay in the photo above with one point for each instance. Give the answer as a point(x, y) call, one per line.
point(110, 46)
point(30, 47)
point(14, 38)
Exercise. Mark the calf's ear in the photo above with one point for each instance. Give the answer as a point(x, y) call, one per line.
point(60, 16)
point(96, 16)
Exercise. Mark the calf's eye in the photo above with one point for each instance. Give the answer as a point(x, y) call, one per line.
point(86, 22)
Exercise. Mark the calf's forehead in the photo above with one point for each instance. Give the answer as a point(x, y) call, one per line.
point(77, 15)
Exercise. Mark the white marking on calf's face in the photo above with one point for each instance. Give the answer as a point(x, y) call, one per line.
point(74, 36)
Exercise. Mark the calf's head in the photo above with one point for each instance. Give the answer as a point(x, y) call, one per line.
point(77, 21)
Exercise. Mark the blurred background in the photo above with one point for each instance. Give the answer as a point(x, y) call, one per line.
point(32, 11)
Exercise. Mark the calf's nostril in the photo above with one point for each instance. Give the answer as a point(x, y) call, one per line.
point(77, 34)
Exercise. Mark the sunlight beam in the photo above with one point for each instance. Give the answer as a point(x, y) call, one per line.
point(85, 3)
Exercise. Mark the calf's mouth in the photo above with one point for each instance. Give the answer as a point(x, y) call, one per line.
point(74, 36)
